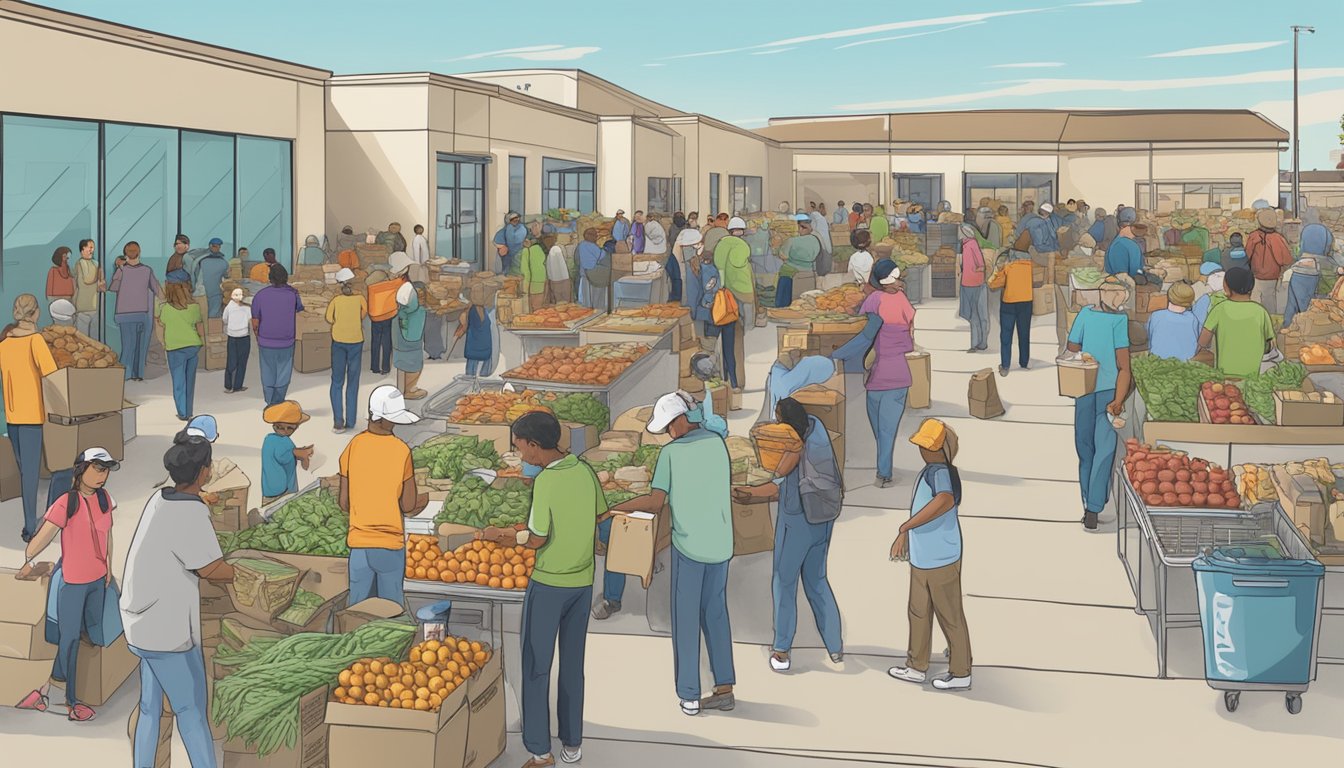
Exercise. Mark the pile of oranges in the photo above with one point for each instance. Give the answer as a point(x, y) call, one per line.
point(484, 563)
point(557, 316)
point(432, 671)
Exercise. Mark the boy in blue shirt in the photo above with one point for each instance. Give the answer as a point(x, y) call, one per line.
point(279, 456)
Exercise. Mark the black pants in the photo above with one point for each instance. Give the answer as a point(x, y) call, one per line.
point(553, 616)
point(1014, 315)
point(235, 365)
point(380, 346)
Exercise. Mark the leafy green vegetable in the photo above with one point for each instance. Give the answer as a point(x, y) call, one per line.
point(582, 408)
point(475, 503)
point(618, 497)
point(1259, 390)
point(303, 608)
point(452, 457)
point(311, 524)
point(1088, 277)
point(1170, 388)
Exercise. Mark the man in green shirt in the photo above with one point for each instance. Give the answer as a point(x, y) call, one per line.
point(566, 502)
point(800, 255)
point(694, 476)
point(532, 262)
point(732, 255)
point(88, 284)
point(1239, 329)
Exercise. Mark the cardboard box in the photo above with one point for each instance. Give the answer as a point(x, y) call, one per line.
point(326, 577)
point(128, 422)
point(636, 419)
point(312, 353)
point(62, 443)
point(310, 751)
point(1042, 300)
point(1290, 412)
point(753, 529)
point(721, 395)
point(500, 435)
point(10, 481)
point(363, 612)
point(266, 606)
point(360, 736)
point(1301, 497)
point(838, 445)
point(636, 539)
point(72, 393)
point(101, 671)
point(691, 384)
point(921, 380)
point(827, 404)
point(1076, 379)
point(231, 488)
point(312, 324)
point(983, 395)
point(20, 677)
point(216, 354)
point(486, 736)
point(23, 616)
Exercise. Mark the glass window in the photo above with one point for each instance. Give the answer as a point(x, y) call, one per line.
point(746, 194)
point(518, 184)
point(568, 184)
point(264, 198)
point(660, 195)
point(923, 188)
point(714, 209)
point(1187, 195)
point(1010, 189)
point(208, 194)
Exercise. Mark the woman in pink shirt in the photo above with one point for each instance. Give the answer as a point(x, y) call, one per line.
point(974, 295)
point(889, 334)
point(86, 547)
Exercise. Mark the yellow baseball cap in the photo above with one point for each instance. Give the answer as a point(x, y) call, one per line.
point(286, 412)
point(930, 435)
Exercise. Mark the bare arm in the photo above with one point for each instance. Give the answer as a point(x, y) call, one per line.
point(45, 535)
point(1205, 338)
point(651, 502)
point(930, 512)
point(343, 496)
point(411, 503)
point(1075, 347)
point(217, 571)
point(1124, 380)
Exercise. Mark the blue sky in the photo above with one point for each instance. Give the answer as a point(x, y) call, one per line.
point(747, 61)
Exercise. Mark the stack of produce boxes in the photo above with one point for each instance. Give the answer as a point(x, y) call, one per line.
point(83, 398)
point(1311, 493)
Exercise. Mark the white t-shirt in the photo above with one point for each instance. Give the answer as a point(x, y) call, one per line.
point(420, 249)
point(161, 596)
point(556, 267)
point(237, 320)
point(860, 266)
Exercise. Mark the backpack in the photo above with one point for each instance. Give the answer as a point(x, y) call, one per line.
point(825, 259)
point(953, 474)
point(725, 309)
point(820, 486)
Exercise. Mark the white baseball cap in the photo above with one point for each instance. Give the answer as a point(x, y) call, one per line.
point(344, 275)
point(689, 237)
point(398, 262)
point(667, 409)
point(736, 223)
point(61, 309)
point(99, 455)
point(1048, 208)
point(387, 404)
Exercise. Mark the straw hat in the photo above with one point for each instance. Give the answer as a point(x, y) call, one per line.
point(1267, 218)
point(285, 412)
point(1181, 295)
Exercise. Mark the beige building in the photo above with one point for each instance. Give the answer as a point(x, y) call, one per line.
point(1187, 159)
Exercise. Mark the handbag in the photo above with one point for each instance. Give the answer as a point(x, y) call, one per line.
point(820, 486)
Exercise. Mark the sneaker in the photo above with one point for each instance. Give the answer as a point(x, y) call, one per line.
point(338, 429)
point(228, 391)
point(983, 347)
point(884, 482)
point(568, 755)
point(950, 683)
point(1025, 366)
point(240, 389)
point(908, 675)
point(780, 661)
point(972, 350)
point(35, 701)
point(1090, 521)
point(724, 702)
point(606, 609)
point(690, 708)
point(1003, 370)
point(80, 713)
point(837, 658)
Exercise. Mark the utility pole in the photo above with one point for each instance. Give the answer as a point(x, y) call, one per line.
point(1297, 30)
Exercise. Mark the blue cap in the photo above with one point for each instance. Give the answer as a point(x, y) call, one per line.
point(1209, 267)
point(204, 426)
point(216, 241)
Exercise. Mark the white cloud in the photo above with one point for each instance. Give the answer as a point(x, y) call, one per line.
point(904, 37)
point(1104, 3)
point(655, 64)
point(1219, 50)
point(1028, 65)
point(1044, 87)
point(772, 51)
point(1312, 109)
point(533, 53)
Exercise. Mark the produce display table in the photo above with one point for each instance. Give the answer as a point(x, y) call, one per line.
point(1157, 547)
point(518, 344)
point(1250, 443)
point(638, 385)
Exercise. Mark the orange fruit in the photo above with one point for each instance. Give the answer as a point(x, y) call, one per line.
point(357, 668)
point(432, 573)
point(496, 570)
point(369, 677)
point(339, 693)
point(494, 582)
point(461, 577)
point(356, 692)
point(394, 704)
point(427, 657)
point(420, 572)
point(482, 579)
point(520, 582)
point(506, 582)
point(344, 678)
point(392, 671)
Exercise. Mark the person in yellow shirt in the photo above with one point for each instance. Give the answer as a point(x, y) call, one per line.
point(346, 315)
point(25, 359)
point(377, 491)
point(1013, 278)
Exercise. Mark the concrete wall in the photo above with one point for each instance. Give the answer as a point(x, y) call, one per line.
point(730, 153)
point(654, 156)
point(1105, 178)
point(556, 87)
point(615, 165)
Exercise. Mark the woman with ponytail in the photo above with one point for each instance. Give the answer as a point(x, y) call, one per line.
point(25, 359)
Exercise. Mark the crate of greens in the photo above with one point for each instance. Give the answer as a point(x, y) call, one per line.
point(309, 524)
point(477, 504)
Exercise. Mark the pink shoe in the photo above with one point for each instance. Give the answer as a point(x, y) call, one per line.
point(34, 701)
point(81, 713)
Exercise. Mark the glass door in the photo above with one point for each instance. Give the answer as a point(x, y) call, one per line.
point(925, 189)
point(460, 230)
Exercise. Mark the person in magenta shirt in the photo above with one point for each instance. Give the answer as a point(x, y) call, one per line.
point(974, 306)
point(889, 333)
point(83, 519)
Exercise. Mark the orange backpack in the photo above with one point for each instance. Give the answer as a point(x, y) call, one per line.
point(725, 309)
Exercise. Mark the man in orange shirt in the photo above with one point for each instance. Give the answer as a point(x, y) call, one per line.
point(1014, 279)
point(377, 491)
point(383, 310)
point(261, 273)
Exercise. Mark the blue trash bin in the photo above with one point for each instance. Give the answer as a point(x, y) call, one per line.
point(1259, 615)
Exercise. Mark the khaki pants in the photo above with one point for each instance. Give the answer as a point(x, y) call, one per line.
point(1266, 294)
point(937, 592)
point(406, 382)
point(536, 301)
point(746, 316)
point(560, 291)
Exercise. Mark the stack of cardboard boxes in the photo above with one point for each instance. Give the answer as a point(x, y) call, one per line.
point(83, 411)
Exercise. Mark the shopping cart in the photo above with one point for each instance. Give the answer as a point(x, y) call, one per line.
point(1260, 615)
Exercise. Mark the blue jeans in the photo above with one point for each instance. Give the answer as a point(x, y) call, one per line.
point(77, 606)
point(181, 676)
point(277, 366)
point(345, 362)
point(700, 605)
point(26, 440)
point(475, 366)
point(613, 584)
point(380, 568)
point(134, 329)
point(1095, 440)
point(380, 345)
point(1014, 315)
point(783, 292)
point(673, 280)
point(885, 409)
point(728, 337)
point(235, 365)
point(182, 367)
point(553, 616)
point(800, 552)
